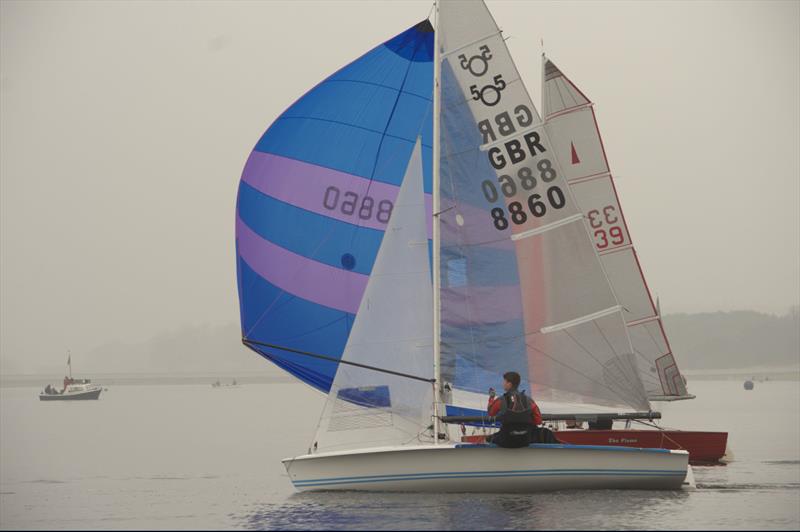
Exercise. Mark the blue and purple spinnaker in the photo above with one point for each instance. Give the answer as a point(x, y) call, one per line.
point(315, 196)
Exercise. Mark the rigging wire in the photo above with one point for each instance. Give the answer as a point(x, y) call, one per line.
point(251, 343)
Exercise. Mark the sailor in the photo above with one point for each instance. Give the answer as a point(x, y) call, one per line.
point(518, 414)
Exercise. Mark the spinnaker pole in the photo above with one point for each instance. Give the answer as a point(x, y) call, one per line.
point(437, 335)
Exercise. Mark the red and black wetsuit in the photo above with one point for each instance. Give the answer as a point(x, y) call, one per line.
point(519, 415)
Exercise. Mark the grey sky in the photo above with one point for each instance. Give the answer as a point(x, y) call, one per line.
point(125, 125)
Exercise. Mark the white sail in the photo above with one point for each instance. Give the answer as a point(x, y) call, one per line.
point(572, 127)
point(522, 287)
point(392, 331)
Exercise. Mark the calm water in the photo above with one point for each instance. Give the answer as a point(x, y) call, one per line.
point(189, 456)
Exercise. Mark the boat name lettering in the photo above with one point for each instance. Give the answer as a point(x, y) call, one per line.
point(623, 440)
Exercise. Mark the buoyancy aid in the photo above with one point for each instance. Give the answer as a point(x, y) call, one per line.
point(519, 409)
point(495, 405)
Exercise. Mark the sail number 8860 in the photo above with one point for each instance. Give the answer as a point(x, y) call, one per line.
point(527, 180)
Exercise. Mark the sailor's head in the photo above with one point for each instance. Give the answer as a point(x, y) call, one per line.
point(511, 380)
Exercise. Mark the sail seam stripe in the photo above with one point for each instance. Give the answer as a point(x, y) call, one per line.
point(386, 129)
point(560, 96)
point(548, 227)
point(377, 85)
point(346, 124)
point(590, 177)
point(569, 110)
point(454, 50)
point(615, 250)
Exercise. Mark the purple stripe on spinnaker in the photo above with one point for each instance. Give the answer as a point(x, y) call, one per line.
point(298, 275)
point(322, 190)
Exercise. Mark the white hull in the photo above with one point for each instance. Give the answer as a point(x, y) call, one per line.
point(482, 468)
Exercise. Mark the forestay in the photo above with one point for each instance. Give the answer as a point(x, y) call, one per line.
point(393, 331)
point(572, 128)
point(315, 198)
point(522, 287)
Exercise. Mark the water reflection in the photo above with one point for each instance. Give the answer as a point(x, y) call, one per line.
point(421, 511)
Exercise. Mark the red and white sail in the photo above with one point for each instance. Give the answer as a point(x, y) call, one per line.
point(572, 127)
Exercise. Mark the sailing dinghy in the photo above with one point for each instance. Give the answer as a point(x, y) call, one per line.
point(572, 126)
point(392, 226)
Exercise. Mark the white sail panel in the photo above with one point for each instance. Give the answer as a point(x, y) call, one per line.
point(392, 331)
point(580, 151)
point(562, 375)
point(503, 306)
point(559, 95)
point(622, 267)
point(579, 148)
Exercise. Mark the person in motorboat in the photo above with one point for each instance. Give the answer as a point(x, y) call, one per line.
point(519, 415)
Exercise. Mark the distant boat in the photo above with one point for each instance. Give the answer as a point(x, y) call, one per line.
point(73, 390)
point(748, 385)
point(218, 384)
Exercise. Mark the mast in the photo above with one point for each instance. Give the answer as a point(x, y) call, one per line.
point(437, 333)
point(69, 363)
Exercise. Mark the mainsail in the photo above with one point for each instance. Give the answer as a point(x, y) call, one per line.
point(571, 125)
point(522, 286)
point(316, 196)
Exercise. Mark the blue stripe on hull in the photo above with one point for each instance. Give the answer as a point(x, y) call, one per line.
point(492, 474)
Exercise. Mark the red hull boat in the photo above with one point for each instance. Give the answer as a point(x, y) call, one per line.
point(705, 448)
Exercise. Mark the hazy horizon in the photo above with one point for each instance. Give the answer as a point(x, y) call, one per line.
point(122, 141)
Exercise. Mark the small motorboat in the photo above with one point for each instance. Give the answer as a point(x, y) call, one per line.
point(78, 390)
point(73, 390)
point(218, 384)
